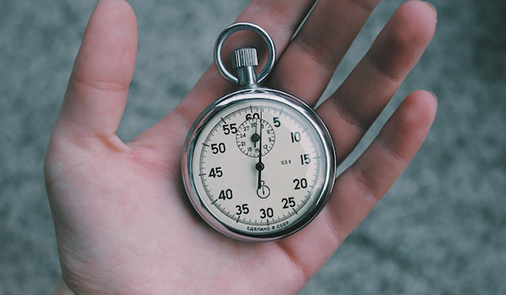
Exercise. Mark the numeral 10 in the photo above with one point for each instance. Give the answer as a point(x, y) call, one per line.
point(295, 136)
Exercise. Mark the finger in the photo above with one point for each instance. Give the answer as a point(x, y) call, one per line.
point(98, 86)
point(365, 182)
point(360, 187)
point(309, 62)
point(279, 17)
point(356, 104)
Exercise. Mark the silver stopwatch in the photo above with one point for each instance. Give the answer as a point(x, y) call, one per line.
point(258, 164)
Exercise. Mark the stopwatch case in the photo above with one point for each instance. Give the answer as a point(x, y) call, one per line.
point(196, 131)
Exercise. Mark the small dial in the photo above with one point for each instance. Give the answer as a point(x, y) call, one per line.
point(263, 191)
point(253, 135)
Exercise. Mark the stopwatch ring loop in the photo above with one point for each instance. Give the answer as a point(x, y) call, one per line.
point(244, 27)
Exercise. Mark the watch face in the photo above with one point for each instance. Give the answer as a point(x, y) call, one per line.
point(259, 165)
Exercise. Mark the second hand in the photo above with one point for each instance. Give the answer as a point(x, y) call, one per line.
point(260, 166)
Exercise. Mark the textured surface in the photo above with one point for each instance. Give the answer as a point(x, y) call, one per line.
point(440, 230)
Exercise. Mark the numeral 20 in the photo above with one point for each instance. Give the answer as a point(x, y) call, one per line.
point(300, 183)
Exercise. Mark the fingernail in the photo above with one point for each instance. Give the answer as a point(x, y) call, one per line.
point(432, 6)
point(433, 95)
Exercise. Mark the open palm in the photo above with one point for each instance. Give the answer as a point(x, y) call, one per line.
point(123, 221)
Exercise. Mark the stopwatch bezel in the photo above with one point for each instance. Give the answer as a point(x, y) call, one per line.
point(229, 100)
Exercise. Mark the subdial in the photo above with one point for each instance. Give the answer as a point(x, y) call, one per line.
point(263, 191)
point(249, 134)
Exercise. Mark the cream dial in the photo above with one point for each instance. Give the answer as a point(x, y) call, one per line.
point(259, 168)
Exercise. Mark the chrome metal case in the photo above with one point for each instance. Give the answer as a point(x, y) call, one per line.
point(222, 104)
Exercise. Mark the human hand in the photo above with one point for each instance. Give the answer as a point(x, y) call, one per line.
point(122, 218)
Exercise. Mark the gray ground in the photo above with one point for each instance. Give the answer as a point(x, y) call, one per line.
point(440, 230)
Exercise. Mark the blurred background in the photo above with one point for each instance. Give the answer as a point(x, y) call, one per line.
point(441, 229)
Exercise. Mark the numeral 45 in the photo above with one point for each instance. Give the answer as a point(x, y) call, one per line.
point(216, 172)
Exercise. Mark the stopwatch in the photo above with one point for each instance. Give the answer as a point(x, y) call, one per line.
point(258, 163)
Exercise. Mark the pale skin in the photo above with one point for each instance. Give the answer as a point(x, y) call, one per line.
point(122, 218)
